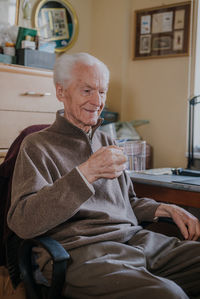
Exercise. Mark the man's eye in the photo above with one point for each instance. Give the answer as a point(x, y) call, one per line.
point(87, 90)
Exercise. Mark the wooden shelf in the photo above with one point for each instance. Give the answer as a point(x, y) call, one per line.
point(14, 68)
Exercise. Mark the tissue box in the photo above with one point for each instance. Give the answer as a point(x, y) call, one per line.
point(35, 58)
point(28, 44)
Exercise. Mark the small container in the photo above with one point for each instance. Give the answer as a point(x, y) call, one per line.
point(9, 49)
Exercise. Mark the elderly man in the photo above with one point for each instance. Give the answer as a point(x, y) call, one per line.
point(69, 183)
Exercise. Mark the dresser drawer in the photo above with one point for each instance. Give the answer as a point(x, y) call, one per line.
point(26, 89)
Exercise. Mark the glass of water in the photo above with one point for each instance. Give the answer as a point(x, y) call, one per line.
point(136, 155)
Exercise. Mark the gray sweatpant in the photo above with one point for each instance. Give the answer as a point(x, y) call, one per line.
point(149, 265)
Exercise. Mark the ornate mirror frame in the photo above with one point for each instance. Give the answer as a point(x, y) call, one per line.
point(56, 21)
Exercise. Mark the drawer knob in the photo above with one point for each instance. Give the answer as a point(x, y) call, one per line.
point(36, 94)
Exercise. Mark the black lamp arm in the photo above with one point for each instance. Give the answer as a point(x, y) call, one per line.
point(192, 102)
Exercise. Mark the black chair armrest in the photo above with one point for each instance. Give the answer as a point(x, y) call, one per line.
point(59, 256)
point(165, 226)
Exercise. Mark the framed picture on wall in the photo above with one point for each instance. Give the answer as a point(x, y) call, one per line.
point(9, 11)
point(162, 31)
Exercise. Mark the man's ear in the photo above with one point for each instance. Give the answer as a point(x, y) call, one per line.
point(60, 92)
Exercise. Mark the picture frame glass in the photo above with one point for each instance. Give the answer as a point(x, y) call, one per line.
point(162, 31)
point(57, 23)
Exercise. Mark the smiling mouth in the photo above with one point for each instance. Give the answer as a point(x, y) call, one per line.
point(92, 111)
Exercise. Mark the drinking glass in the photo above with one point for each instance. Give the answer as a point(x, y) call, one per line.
point(136, 155)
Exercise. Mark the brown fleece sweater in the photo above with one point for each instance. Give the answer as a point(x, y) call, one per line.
point(49, 196)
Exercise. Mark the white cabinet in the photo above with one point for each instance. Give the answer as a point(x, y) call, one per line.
point(27, 97)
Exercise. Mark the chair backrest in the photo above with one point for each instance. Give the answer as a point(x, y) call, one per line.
point(6, 174)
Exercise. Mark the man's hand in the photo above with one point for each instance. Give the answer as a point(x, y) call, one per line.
point(108, 162)
point(188, 224)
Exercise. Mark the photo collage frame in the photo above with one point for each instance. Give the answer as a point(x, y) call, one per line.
point(162, 31)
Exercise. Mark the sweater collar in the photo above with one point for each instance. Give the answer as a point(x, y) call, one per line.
point(62, 125)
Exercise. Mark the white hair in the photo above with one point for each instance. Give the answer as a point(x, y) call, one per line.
point(65, 63)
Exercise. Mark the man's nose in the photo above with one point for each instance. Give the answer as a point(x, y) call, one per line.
point(96, 98)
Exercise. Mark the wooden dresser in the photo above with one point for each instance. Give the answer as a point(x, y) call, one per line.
point(27, 97)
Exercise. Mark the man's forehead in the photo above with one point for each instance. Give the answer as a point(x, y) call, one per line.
point(90, 76)
point(92, 83)
point(81, 69)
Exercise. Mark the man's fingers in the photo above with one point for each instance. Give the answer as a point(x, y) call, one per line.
point(188, 224)
point(112, 175)
point(182, 227)
point(194, 230)
point(190, 229)
point(112, 155)
point(107, 162)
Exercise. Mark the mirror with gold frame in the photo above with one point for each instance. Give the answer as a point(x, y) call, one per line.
point(57, 22)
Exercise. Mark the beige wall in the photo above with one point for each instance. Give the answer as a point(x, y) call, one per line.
point(154, 89)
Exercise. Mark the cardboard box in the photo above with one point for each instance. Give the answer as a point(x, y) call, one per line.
point(35, 58)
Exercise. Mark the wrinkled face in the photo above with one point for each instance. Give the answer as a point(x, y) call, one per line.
point(85, 96)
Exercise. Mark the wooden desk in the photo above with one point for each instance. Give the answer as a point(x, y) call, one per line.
point(167, 188)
